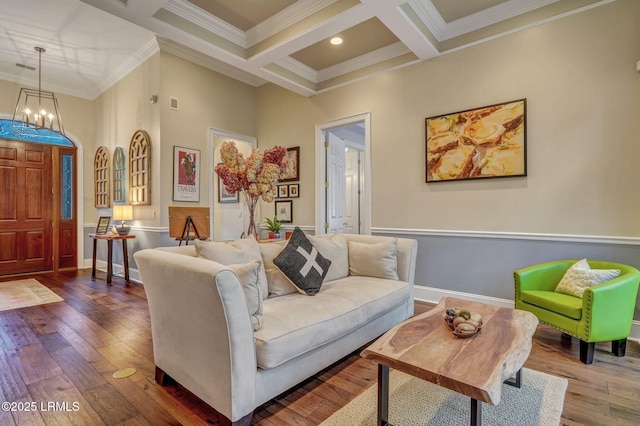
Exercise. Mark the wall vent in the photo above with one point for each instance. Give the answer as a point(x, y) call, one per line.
point(173, 103)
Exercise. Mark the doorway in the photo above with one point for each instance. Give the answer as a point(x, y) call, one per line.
point(343, 182)
point(229, 218)
point(38, 208)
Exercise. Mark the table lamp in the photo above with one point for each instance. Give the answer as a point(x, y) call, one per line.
point(123, 212)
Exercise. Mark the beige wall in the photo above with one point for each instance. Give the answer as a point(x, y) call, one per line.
point(119, 112)
point(206, 100)
point(583, 103)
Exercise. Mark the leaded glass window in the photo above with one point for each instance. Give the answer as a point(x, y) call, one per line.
point(67, 186)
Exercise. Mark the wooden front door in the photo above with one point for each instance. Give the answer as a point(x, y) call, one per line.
point(27, 208)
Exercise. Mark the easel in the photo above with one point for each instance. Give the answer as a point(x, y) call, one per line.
point(187, 229)
point(188, 223)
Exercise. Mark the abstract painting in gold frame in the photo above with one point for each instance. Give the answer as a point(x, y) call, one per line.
point(478, 143)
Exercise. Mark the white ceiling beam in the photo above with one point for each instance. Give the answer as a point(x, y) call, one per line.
point(390, 14)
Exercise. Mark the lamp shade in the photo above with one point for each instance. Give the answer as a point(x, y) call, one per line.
point(123, 212)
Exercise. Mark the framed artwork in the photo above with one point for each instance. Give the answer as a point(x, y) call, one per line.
point(294, 190)
point(140, 169)
point(479, 143)
point(119, 173)
point(283, 191)
point(224, 196)
point(186, 174)
point(294, 156)
point(103, 225)
point(284, 211)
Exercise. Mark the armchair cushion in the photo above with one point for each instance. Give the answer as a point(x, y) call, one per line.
point(564, 304)
point(580, 276)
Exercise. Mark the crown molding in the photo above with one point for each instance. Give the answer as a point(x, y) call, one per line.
point(209, 22)
point(298, 68)
point(126, 67)
point(206, 61)
point(363, 61)
point(284, 19)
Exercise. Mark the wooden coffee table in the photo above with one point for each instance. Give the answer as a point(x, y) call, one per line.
point(424, 347)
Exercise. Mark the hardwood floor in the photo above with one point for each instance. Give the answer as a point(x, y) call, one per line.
point(57, 362)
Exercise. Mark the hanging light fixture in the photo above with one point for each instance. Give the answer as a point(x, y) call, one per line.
point(37, 111)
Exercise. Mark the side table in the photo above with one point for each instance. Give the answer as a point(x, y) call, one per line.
point(110, 238)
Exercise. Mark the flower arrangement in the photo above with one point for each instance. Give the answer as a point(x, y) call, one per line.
point(255, 177)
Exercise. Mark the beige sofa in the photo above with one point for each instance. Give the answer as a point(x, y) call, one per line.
point(204, 340)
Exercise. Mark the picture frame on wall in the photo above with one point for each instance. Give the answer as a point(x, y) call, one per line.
point(293, 154)
point(284, 211)
point(486, 142)
point(294, 190)
point(224, 196)
point(103, 225)
point(283, 191)
point(186, 174)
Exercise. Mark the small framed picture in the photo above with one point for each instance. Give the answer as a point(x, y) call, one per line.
point(283, 191)
point(293, 154)
point(224, 196)
point(103, 225)
point(294, 190)
point(284, 211)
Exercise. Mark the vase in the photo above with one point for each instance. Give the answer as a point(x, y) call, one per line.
point(252, 201)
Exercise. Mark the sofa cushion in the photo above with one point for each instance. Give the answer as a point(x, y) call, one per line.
point(374, 260)
point(334, 248)
point(295, 324)
point(277, 282)
point(249, 276)
point(233, 252)
point(302, 263)
point(569, 306)
point(580, 276)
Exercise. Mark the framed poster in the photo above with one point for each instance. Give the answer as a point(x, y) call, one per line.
point(103, 225)
point(186, 176)
point(293, 154)
point(478, 143)
point(294, 190)
point(284, 211)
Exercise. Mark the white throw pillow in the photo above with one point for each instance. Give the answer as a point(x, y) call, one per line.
point(333, 247)
point(233, 252)
point(374, 260)
point(249, 276)
point(580, 276)
point(278, 283)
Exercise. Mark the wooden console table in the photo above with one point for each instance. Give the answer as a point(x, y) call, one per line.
point(109, 238)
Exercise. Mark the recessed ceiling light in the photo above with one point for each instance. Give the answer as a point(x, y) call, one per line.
point(336, 41)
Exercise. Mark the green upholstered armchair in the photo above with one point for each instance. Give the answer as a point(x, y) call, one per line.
point(604, 313)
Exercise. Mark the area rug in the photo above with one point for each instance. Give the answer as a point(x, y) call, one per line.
point(413, 401)
point(22, 293)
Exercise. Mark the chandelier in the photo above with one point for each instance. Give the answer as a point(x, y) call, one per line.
point(37, 111)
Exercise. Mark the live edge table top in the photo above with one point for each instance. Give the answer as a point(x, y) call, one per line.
point(425, 347)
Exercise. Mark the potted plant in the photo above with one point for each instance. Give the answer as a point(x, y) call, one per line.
point(273, 226)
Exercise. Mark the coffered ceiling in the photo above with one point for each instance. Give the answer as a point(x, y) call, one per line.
point(285, 42)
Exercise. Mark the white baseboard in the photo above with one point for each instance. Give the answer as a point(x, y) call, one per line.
point(433, 295)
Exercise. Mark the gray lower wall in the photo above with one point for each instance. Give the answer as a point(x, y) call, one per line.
point(468, 263)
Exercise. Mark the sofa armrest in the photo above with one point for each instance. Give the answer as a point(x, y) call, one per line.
point(202, 333)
